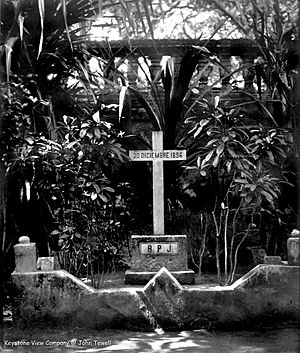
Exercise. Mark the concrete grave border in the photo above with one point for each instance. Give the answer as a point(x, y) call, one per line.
point(267, 293)
point(56, 298)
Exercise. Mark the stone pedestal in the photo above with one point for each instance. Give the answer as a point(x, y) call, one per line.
point(25, 255)
point(293, 248)
point(151, 253)
point(272, 260)
point(45, 263)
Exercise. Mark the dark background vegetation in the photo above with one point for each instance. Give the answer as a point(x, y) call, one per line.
point(66, 181)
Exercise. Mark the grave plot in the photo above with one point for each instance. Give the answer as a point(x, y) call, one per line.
point(151, 253)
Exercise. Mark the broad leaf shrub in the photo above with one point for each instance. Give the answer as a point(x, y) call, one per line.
point(244, 167)
point(60, 162)
point(63, 193)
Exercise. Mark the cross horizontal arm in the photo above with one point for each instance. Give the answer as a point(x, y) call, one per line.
point(165, 155)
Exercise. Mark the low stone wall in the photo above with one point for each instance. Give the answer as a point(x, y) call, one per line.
point(56, 298)
point(266, 294)
point(269, 293)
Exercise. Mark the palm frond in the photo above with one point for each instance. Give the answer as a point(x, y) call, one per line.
point(8, 54)
point(41, 6)
point(153, 117)
point(65, 15)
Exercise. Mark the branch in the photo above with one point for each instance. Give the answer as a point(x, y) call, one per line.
point(228, 14)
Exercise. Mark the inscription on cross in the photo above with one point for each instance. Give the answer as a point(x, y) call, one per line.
point(157, 156)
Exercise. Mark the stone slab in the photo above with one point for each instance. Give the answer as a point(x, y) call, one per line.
point(272, 260)
point(293, 245)
point(45, 263)
point(154, 261)
point(142, 278)
point(159, 248)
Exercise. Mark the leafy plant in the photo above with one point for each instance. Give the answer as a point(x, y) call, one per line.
point(49, 135)
point(70, 177)
point(273, 26)
point(242, 162)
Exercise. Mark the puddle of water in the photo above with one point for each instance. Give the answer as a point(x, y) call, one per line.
point(269, 341)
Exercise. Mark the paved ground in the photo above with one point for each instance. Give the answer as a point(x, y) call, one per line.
point(268, 341)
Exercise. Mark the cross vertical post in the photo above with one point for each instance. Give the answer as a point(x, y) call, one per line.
point(158, 185)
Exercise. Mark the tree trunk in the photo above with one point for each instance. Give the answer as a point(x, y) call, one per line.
point(203, 245)
point(218, 232)
point(296, 102)
point(2, 222)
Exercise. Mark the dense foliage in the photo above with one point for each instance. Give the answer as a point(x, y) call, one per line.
point(58, 158)
point(244, 168)
point(60, 192)
point(61, 161)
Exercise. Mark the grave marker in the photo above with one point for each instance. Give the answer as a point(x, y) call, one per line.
point(151, 253)
point(157, 157)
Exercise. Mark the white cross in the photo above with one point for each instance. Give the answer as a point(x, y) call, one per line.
point(157, 156)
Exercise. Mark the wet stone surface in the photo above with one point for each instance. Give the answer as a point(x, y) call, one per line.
point(263, 341)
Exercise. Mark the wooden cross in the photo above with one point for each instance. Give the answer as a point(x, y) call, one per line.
point(157, 156)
